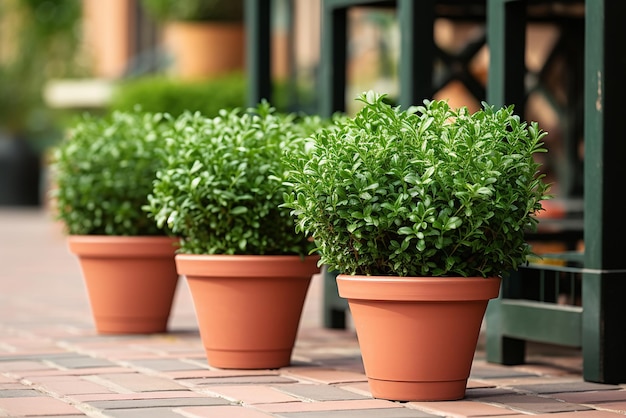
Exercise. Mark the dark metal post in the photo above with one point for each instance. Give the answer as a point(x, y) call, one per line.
point(604, 286)
point(417, 50)
point(258, 50)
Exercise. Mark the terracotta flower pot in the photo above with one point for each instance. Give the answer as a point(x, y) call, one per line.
point(130, 281)
point(417, 335)
point(205, 49)
point(248, 307)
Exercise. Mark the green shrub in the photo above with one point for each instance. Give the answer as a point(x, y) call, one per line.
point(104, 170)
point(431, 191)
point(222, 186)
point(168, 95)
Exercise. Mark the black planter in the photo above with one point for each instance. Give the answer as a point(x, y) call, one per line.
point(20, 173)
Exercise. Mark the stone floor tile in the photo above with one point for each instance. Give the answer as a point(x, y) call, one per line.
point(250, 394)
point(137, 382)
point(18, 366)
point(74, 372)
point(472, 384)
point(216, 373)
point(224, 411)
point(163, 365)
point(463, 409)
point(80, 362)
point(19, 393)
point(328, 406)
point(570, 386)
point(483, 372)
point(198, 400)
point(479, 393)
point(536, 404)
point(613, 406)
point(311, 392)
point(143, 413)
point(580, 414)
point(237, 380)
point(72, 386)
point(591, 397)
point(36, 406)
point(361, 388)
point(134, 395)
point(323, 375)
point(361, 413)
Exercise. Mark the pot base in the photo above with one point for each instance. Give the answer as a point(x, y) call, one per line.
point(417, 391)
point(257, 359)
point(131, 326)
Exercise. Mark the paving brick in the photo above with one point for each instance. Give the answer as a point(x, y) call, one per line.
point(143, 413)
point(134, 395)
point(536, 404)
point(479, 393)
point(462, 409)
point(137, 382)
point(17, 366)
point(328, 406)
point(159, 402)
point(591, 397)
point(251, 394)
point(581, 414)
point(571, 386)
point(361, 413)
point(36, 406)
point(614, 406)
point(490, 372)
point(225, 411)
point(80, 362)
point(319, 392)
point(74, 372)
point(328, 376)
point(163, 365)
point(69, 385)
point(238, 380)
point(19, 393)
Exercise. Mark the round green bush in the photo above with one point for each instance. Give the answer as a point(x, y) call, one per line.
point(103, 171)
point(430, 191)
point(223, 184)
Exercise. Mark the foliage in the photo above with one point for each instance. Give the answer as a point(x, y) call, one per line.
point(41, 43)
point(223, 184)
point(430, 191)
point(162, 94)
point(104, 171)
point(195, 10)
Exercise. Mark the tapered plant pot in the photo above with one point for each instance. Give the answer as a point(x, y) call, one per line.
point(417, 335)
point(205, 49)
point(248, 307)
point(130, 281)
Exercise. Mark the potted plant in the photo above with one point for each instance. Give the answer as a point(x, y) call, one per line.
point(247, 269)
point(426, 207)
point(205, 38)
point(103, 172)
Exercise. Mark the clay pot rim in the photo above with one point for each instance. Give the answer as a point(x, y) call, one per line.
point(417, 288)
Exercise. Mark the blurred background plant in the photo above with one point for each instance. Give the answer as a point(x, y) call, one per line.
point(39, 40)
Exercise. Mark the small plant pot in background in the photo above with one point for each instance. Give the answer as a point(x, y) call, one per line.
point(417, 335)
point(248, 307)
point(130, 281)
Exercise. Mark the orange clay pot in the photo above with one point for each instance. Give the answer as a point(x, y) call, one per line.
point(248, 307)
point(417, 334)
point(205, 49)
point(130, 281)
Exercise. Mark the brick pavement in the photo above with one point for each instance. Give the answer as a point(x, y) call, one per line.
point(53, 364)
